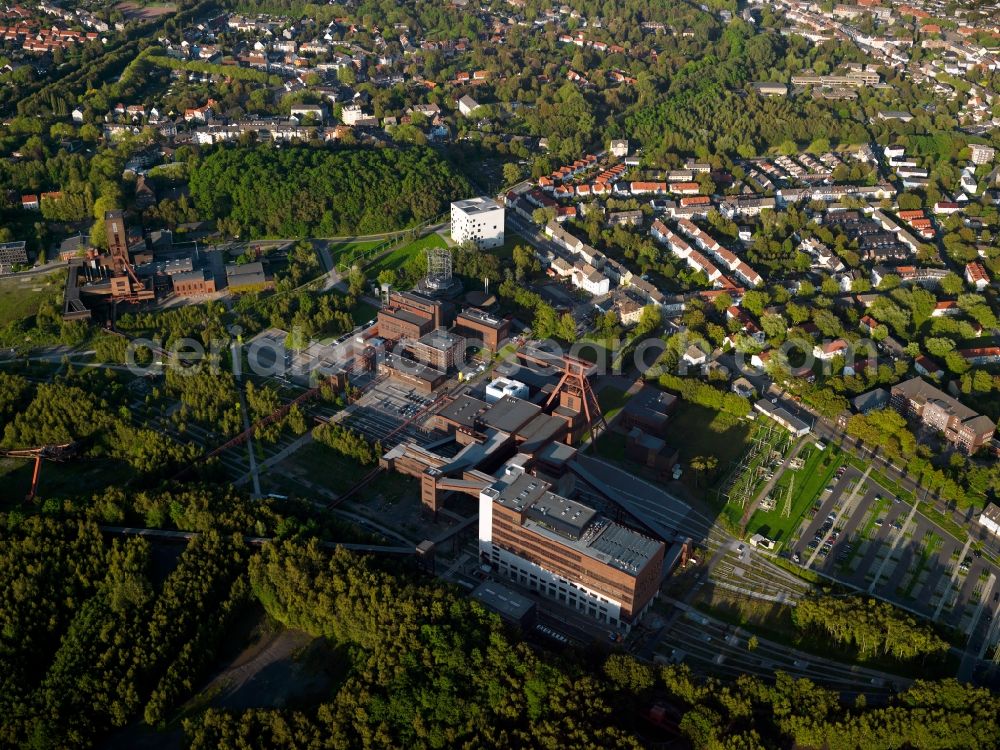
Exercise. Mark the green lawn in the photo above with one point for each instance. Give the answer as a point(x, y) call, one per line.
point(21, 298)
point(506, 251)
point(399, 257)
point(875, 512)
point(597, 350)
point(362, 313)
point(77, 477)
point(611, 401)
point(929, 547)
point(343, 252)
point(611, 446)
point(807, 483)
point(326, 467)
point(699, 431)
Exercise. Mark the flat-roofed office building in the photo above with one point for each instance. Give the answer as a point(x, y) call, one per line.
point(567, 551)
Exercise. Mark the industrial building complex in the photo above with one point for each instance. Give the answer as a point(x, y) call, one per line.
point(143, 267)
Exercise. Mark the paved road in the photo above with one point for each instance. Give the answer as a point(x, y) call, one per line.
point(847, 511)
point(245, 411)
point(276, 458)
point(990, 542)
point(971, 655)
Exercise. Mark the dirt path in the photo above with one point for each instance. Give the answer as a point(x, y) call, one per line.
point(265, 674)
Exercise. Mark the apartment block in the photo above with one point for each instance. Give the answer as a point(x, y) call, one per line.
point(936, 410)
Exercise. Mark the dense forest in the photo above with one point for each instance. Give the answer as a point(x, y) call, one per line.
point(99, 634)
point(304, 192)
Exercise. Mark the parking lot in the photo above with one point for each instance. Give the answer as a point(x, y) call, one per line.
point(860, 534)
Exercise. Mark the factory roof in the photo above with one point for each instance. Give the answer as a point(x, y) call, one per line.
point(540, 431)
point(198, 275)
point(481, 317)
point(248, 274)
point(440, 339)
point(405, 315)
point(510, 414)
point(463, 410)
point(651, 400)
point(412, 367)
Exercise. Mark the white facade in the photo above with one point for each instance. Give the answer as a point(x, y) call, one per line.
point(467, 105)
point(502, 387)
point(981, 154)
point(554, 586)
point(351, 114)
point(478, 220)
point(990, 519)
point(536, 577)
point(589, 279)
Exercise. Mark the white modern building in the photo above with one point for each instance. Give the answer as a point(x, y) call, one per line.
point(477, 220)
point(990, 518)
point(500, 388)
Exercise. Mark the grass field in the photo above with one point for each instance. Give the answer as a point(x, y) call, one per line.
point(399, 257)
point(611, 446)
point(808, 483)
point(325, 467)
point(698, 431)
point(362, 313)
point(78, 477)
point(875, 512)
point(506, 251)
point(611, 401)
point(596, 350)
point(345, 251)
point(20, 298)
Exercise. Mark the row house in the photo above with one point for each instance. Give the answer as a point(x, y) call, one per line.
point(921, 275)
point(729, 259)
point(946, 307)
point(823, 258)
point(685, 188)
point(681, 249)
point(981, 355)
point(648, 188)
point(203, 113)
point(586, 277)
point(747, 324)
point(975, 275)
point(562, 238)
